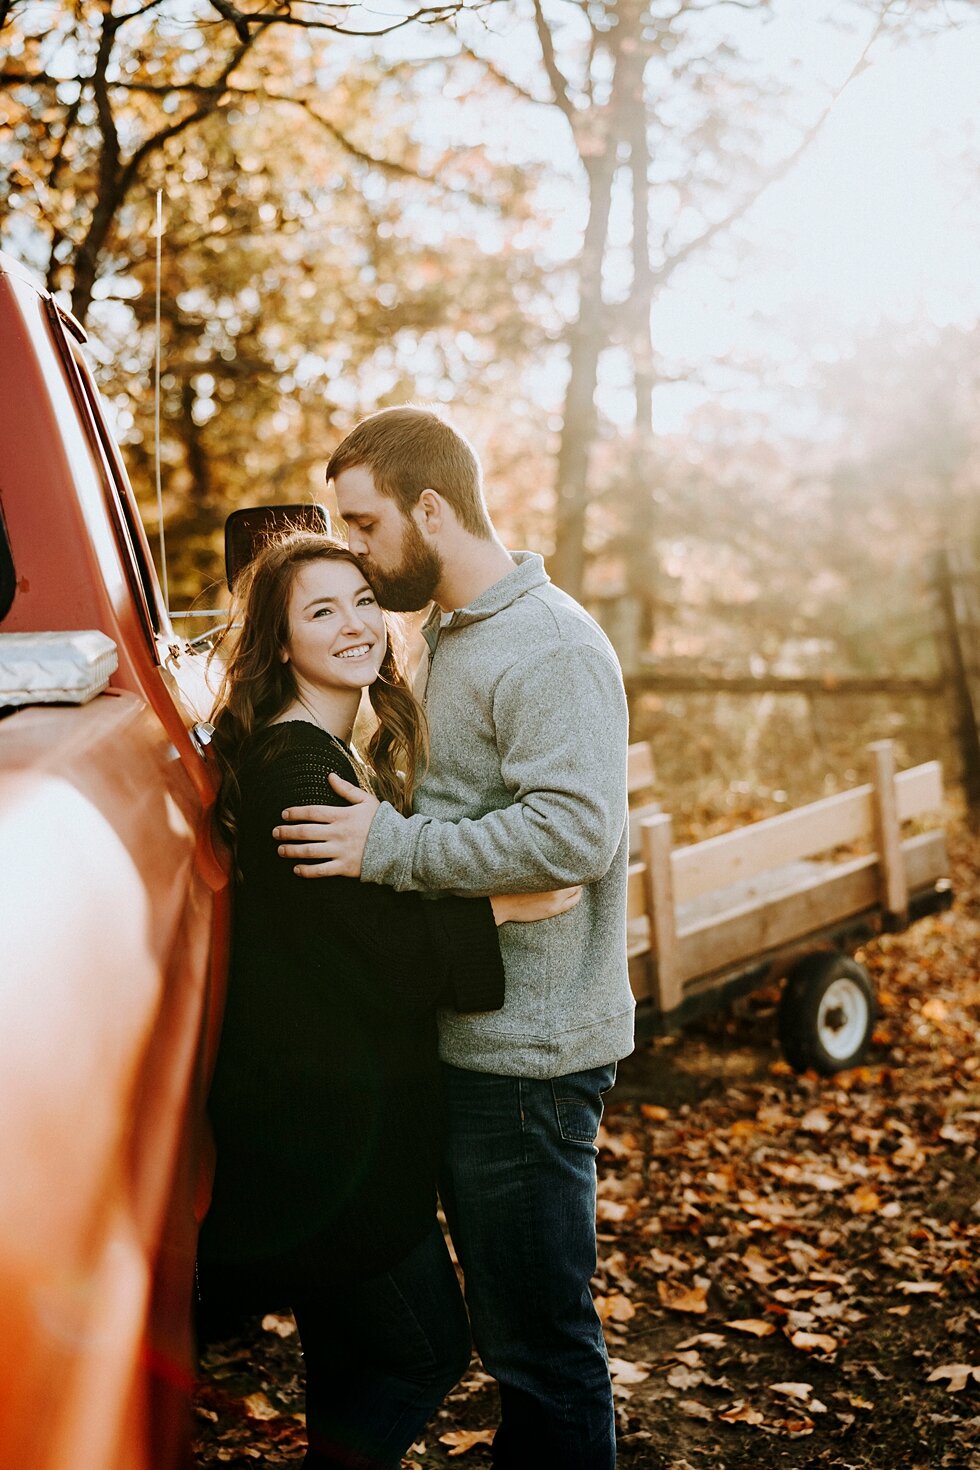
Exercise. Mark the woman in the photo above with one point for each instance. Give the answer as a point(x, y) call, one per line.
point(325, 1102)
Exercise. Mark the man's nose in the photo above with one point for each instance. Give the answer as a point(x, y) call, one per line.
point(356, 541)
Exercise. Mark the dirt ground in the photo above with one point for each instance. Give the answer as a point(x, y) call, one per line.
point(788, 1265)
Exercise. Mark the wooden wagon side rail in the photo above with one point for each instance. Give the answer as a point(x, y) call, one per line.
point(700, 910)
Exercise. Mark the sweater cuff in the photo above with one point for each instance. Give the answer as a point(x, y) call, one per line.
point(389, 849)
point(475, 966)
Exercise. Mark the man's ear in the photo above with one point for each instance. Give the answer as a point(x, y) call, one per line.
point(430, 511)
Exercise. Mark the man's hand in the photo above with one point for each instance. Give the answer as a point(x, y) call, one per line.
point(333, 836)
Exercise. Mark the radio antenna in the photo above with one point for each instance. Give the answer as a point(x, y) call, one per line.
point(156, 415)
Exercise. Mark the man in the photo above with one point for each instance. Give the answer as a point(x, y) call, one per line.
point(525, 791)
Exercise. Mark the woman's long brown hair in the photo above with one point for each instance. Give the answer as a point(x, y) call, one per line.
point(256, 685)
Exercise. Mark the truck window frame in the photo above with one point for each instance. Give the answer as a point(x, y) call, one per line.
point(8, 577)
point(130, 535)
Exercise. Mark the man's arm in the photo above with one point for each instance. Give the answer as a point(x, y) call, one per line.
point(561, 727)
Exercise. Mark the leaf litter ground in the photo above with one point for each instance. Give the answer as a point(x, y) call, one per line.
point(788, 1265)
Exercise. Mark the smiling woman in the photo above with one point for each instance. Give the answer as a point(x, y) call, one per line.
point(325, 1102)
point(309, 639)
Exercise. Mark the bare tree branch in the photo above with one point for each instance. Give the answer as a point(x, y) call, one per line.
point(780, 170)
point(559, 84)
point(243, 21)
point(211, 98)
point(505, 81)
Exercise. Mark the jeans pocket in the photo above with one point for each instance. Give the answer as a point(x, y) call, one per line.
point(578, 1103)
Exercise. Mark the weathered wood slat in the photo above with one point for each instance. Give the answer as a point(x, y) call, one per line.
point(836, 821)
point(839, 891)
point(656, 838)
point(639, 767)
point(716, 943)
point(888, 831)
point(637, 816)
point(919, 790)
point(720, 862)
point(925, 859)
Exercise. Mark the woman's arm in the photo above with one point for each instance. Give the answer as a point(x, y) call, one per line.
point(419, 950)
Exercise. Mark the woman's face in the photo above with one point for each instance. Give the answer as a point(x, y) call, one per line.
point(337, 635)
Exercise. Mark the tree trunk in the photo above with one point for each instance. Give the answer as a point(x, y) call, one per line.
point(579, 416)
point(640, 511)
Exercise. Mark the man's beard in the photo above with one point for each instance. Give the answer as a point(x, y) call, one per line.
point(411, 585)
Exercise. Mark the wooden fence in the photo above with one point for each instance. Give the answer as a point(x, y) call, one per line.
point(955, 584)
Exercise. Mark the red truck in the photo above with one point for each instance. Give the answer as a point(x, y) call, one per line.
point(114, 928)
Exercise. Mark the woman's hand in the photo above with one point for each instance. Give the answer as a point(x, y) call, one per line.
point(526, 908)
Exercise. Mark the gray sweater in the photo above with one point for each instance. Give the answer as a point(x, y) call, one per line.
point(525, 791)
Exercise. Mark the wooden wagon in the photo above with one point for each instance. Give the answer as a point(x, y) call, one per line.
point(792, 895)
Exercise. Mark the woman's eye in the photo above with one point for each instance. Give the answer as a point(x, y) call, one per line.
point(323, 612)
point(366, 601)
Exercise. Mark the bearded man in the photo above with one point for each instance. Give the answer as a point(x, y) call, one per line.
point(525, 790)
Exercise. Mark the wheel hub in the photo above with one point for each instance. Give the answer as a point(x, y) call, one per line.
point(842, 1018)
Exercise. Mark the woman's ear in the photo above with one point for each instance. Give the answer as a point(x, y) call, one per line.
point(283, 656)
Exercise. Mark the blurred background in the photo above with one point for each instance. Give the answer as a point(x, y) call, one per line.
point(700, 281)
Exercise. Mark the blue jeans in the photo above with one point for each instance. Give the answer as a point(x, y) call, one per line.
point(380, 1356)
point(519, 1193)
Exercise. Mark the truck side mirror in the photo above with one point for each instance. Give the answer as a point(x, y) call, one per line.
point(247, 529)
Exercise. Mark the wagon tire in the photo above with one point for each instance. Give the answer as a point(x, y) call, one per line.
point(826, 1014)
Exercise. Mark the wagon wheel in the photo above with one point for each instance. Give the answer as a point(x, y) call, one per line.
point(827, 1013)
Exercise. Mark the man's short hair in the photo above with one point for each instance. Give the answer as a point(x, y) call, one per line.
point(409, 450)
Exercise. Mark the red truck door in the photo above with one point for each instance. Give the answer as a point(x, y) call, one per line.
point(114, 916)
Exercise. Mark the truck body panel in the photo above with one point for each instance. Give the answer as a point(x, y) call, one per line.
point(114, 917)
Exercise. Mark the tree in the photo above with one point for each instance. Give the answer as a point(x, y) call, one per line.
point(97, 91)
point(659, 100)
point(319, 258)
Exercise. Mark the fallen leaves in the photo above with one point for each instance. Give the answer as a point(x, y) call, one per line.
point(462, 1440)
point(958, 1375)
point(258, 1406)
point(754, 1326)
point(693, 1299)
point(814, 1342)
point(281, 1326)
point(782, 1258)
point(741, 1413)
point(622, 1371)
point(616, 1308)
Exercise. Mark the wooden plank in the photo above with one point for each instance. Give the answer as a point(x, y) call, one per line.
point(639, 767)
point(719, 862)
point(919, 790)
point(637, 816)
point(656, 839)
point(637, 918)
point(925, 859)
point(742, 934)
point(641, 681)
point(888, 831)
point(836, 821)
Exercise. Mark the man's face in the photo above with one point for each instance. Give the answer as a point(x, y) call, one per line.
point(402, 567)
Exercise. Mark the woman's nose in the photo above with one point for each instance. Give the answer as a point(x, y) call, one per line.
point(353, 620)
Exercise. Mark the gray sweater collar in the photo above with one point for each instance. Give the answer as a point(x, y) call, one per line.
point(528, 573)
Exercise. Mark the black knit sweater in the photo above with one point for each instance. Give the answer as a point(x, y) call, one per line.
point(325, 1102)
